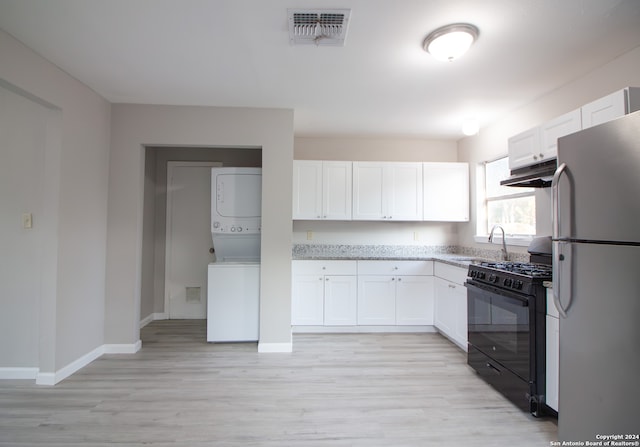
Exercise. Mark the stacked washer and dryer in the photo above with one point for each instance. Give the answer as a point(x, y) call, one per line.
point(233, 287)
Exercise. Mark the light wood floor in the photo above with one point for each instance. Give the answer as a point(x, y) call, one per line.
point(368, 390)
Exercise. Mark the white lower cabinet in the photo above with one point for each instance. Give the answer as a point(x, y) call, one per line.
point(307, 300)
point(340, 298)
point(395, 293)
point(552, 352)
point(451, 303)
point(323, 293)
point(364, 293)
point(376, 300)
point(414, 300)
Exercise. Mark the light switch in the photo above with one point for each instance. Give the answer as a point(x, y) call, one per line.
point(309, 235)
point(27, 221)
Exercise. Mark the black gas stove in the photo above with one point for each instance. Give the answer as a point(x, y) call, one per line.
point(506, 305)
point(517, 276)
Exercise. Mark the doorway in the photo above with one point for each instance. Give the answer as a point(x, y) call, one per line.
point(154, 246)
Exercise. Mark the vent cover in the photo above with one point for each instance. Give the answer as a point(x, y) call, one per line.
point(318, 26)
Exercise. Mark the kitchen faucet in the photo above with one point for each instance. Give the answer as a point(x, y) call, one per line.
point(505, 255)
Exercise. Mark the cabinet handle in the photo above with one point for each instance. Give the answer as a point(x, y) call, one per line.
point(541, 155)
point(535, 157)
point(451, 286)
point(393, 279)
point(399, 279)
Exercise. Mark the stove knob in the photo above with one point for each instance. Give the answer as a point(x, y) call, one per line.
point(508, 282)
point(493, 278)
point(517, 284)
point(481, 275)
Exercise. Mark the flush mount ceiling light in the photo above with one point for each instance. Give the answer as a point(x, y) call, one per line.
point(451, 41)
point(470, 127)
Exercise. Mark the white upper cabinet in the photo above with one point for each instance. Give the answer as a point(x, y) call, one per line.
point(524, 149)
point(559, 127)
point(322, 190)
point(611, 107)
point(446, 192)
point(387, 191)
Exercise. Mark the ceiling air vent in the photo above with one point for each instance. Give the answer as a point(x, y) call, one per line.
point(318, 26)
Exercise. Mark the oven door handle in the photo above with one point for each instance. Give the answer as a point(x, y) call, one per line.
point(483, 288)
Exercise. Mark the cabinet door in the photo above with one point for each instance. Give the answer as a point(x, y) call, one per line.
point(446, 192)
point(524, 148)
point(459, 295)
point(307, 189)
point(414, 300)
point(402, 197)
point(553, 357)
point(336, 190)
point(604, 109)
point(376, 300)
point(307, 301)
point(367, 191)
point(559, 127)
point(445, 307)
point(340, 300)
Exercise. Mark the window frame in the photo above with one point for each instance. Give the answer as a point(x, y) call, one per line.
point(482, 224)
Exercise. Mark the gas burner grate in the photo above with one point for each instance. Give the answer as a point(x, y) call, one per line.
point(521, 268)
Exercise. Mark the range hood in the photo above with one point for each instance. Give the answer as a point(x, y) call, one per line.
point(534, 176)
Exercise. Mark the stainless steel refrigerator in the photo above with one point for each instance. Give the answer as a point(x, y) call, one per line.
point(596, 282)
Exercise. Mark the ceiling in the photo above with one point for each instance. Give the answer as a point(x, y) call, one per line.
point(236, 53)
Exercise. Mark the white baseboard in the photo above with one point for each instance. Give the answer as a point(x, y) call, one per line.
point(58, 376)
point(46, 379)
point(153, 317)
point(10, 373)
point(361, 329)
point(76, 365)
point(123, 348)
point(274, 347)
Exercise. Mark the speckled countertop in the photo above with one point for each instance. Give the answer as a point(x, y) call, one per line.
point(454, 255)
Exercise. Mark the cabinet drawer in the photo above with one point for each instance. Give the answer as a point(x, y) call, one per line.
point(424, 268)
point(451, 273)
point(324, 267)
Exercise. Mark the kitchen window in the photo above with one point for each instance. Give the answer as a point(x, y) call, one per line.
point(514, 209)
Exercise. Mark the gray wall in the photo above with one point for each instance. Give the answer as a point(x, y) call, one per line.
point(23, 125)
point(135, 127)
point(73, 216)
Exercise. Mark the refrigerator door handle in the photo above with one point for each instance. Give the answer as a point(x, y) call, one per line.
point(555, 200)
point(558, 257)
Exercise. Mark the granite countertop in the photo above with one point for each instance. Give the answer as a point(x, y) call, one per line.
point(457, 256)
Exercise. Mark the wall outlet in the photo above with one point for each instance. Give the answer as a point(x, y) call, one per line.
point(309, 235)
point(27, 221)
point(416, 236)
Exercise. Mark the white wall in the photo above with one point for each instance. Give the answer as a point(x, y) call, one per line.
point(74, 206)
point(491, 142)
point(374, 149)
point(137, 126)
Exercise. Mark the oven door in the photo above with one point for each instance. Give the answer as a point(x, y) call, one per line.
point(499, 326)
